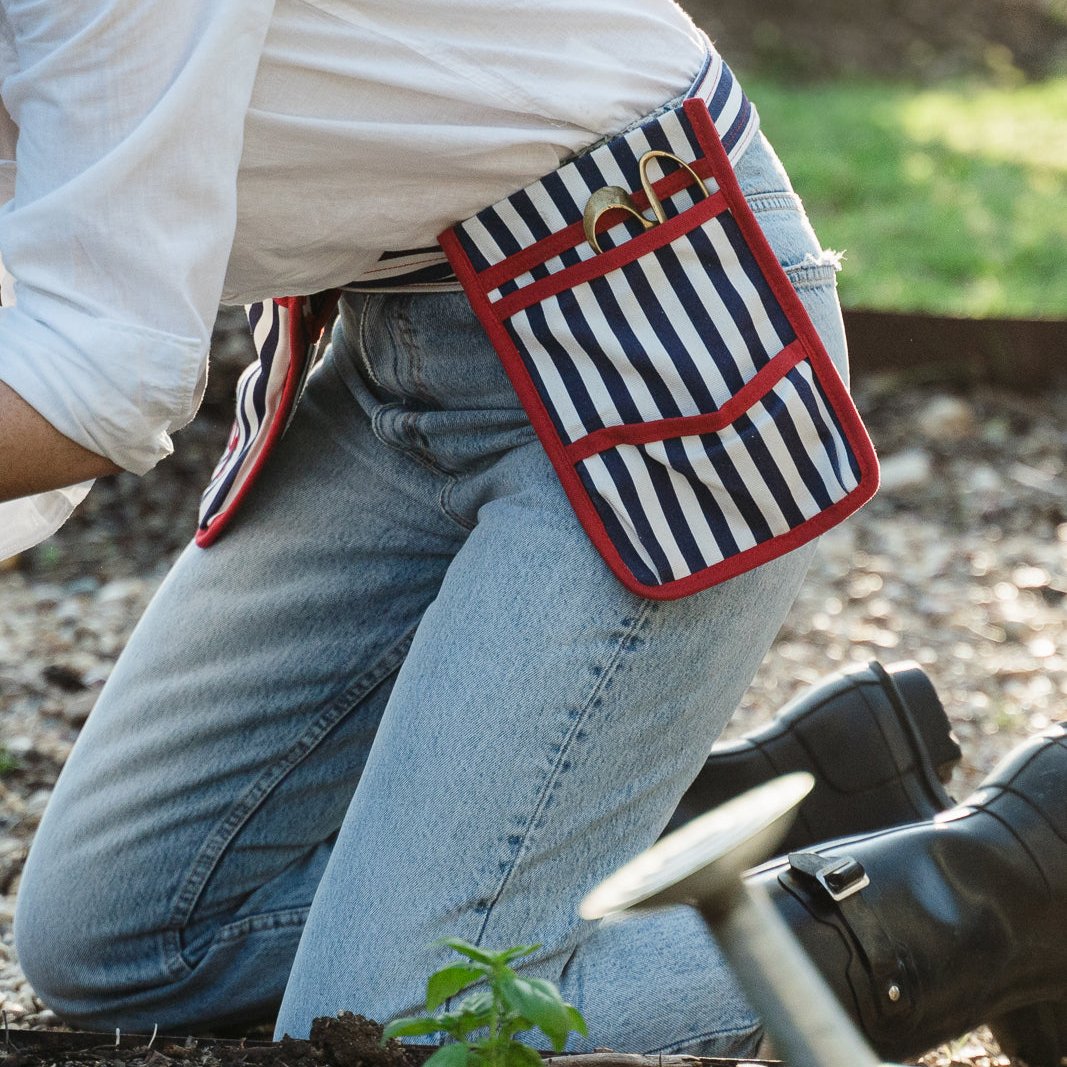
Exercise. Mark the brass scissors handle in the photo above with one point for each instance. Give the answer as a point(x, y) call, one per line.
point(610, 198)
point(646, 182)
point(615, 198)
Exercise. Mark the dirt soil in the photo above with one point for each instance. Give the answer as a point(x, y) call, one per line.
point(346, 1041)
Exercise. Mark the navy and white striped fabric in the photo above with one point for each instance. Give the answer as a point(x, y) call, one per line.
point(259, 392)
point(267, 393)
point(687, 403)
point(676, 507)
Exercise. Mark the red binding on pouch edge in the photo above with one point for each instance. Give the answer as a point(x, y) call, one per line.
point(826, 373)
point(299, 342)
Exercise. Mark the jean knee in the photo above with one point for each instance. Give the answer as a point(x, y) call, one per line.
point(69, 938)
point(44, 936)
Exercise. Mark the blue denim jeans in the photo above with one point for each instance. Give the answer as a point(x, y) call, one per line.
point(403, 698)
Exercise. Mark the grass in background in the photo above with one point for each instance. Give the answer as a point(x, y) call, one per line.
point(950, 199)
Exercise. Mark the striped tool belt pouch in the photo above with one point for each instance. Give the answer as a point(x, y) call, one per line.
point(688, 406)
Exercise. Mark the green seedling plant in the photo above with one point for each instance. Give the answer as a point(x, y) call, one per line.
point(505, 1004)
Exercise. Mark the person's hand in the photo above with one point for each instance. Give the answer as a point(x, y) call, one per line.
point(35, 456)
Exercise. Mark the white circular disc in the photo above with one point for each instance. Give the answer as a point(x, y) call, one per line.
point(706, 855)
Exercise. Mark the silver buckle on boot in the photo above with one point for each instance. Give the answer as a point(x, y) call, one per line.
point(840, 878)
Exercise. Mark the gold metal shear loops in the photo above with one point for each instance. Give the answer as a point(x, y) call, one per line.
point(616, 198)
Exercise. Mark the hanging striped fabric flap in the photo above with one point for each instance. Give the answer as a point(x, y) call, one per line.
point(288, 334)
point(687, 403)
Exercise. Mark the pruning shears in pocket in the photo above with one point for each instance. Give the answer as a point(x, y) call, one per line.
point(616, 198)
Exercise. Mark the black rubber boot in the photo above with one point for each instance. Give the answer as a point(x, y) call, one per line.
point(876, 739)
point(927, 931)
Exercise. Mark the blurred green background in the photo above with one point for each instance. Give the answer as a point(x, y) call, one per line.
point(928, 139)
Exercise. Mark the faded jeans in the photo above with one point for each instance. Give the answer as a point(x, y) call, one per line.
point(402, 698)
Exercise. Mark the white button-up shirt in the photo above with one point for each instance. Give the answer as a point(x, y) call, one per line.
point(158, 158)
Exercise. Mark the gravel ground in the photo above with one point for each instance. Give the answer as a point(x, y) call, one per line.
point(960, 563)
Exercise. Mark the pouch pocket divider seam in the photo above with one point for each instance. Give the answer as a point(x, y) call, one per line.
point(518, 263)
point(692, 425)
point(612, 259)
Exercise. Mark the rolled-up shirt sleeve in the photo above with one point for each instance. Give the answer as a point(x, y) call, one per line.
point(129, 117)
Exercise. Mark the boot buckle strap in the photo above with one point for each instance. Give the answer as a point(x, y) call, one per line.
point(840, 877)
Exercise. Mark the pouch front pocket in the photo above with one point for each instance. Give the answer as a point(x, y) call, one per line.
point(708, 505)
point(687, 403)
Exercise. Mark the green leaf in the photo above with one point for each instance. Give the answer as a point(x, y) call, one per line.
point(448, 982)
point(461, 1026)
point(472, 952)
point(513, 1023)
point(540, 1002)
point(519, 950)
point(410, 1026)
point(470, 1014)
point(457, 1026)
point(577, 1021)
point(455, 1055)
point(480, 1002)
point(517, 1054)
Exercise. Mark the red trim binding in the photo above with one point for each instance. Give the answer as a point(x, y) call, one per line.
point(825, 371)
point(612, 259)
point(758, 554)
point(641, 433)
point(808, 345)
point(300, 325)
point(563, 240)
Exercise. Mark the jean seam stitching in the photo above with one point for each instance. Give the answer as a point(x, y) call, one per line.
point(761, 203)
point(218, 841)
point(412, 452)
point(378, 418)
point(419, 446)
point(805, 276)
point(406, 332)
point(361, 345)
point(284, 919)
point(418, 458)
point(448, 510)
point(421, 455)
point(647, 608)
